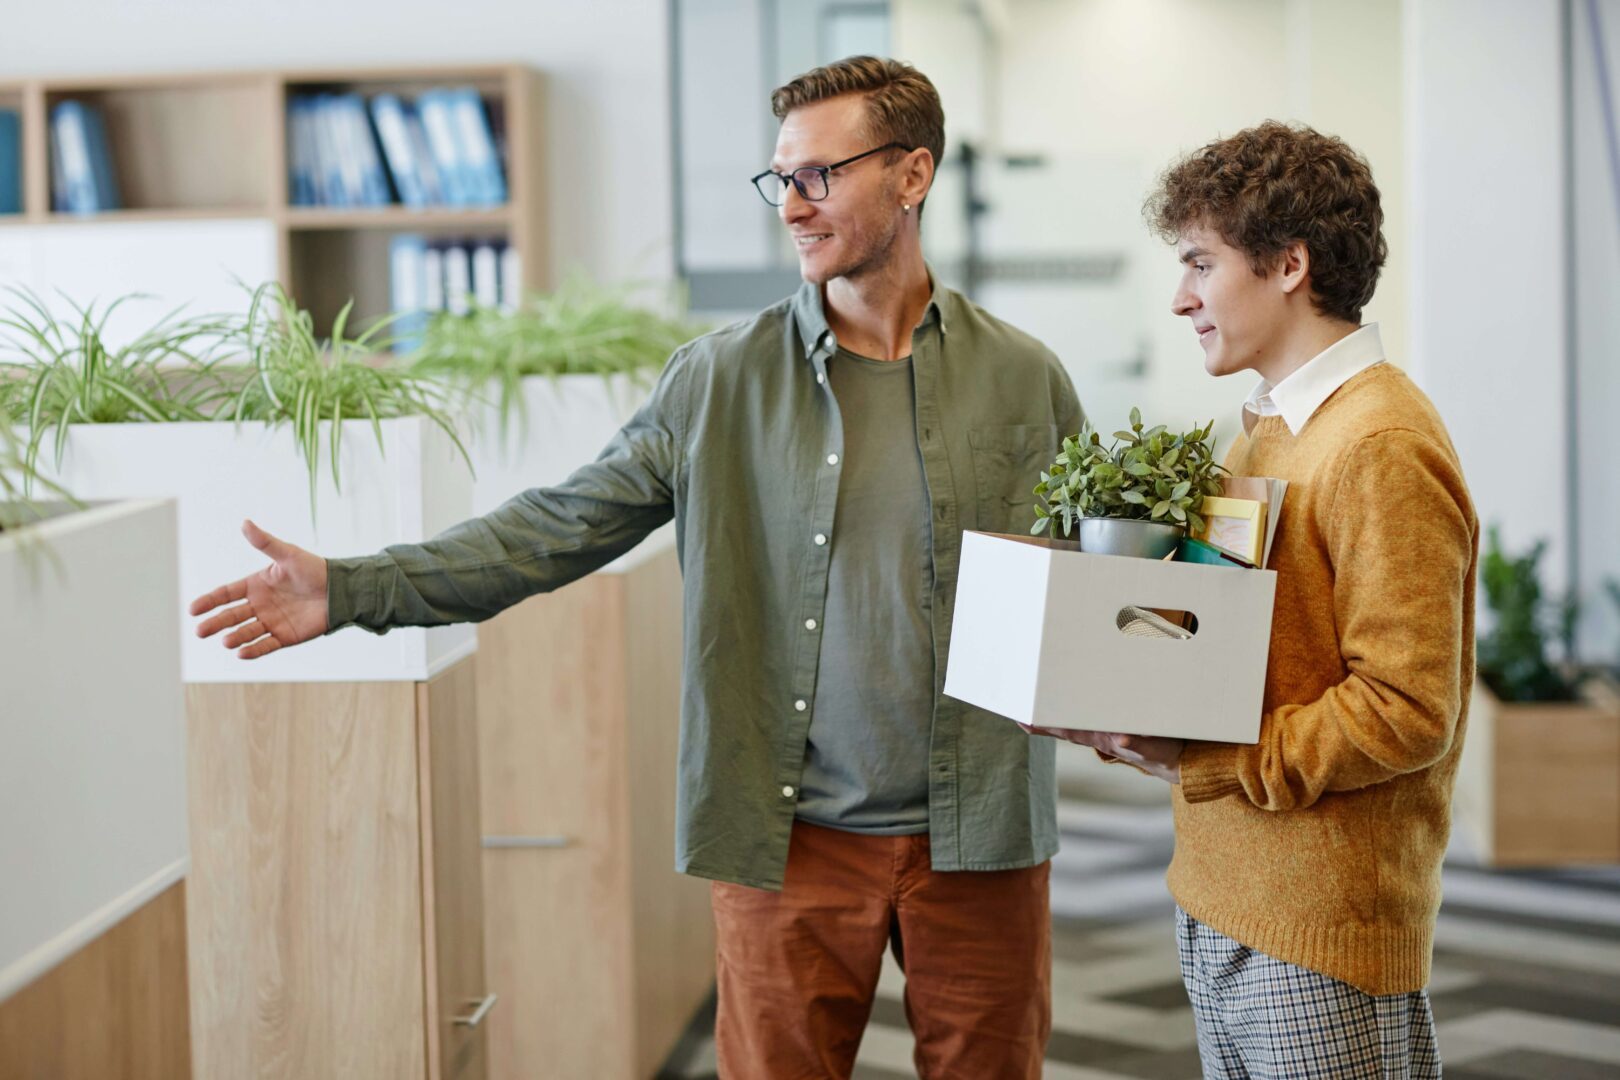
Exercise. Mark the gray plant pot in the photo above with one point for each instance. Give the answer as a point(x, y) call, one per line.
point(1138, 539)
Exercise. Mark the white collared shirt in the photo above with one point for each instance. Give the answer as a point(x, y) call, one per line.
point(1297, 397)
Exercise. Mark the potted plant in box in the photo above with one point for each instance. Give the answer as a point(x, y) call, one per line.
point(1539, 780)
point(1137, 496)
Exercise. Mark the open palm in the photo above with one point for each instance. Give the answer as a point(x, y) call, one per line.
point(283, 604)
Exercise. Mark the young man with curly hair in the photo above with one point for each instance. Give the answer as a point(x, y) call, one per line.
point(1307, 867)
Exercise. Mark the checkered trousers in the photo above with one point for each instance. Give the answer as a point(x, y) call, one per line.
point(1261, 1019)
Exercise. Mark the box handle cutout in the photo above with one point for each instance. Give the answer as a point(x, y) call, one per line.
point(1137, 621)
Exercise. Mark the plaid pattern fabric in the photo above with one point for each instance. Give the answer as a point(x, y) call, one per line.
point(1261, 1019)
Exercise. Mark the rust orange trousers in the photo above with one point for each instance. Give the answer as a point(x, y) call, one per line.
point(798, 969)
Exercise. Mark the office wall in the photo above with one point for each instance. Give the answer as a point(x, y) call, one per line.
point(1484, 143)
point(607, 117)
point(1109, 92)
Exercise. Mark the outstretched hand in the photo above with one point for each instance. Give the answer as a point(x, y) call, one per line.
point(283, 604)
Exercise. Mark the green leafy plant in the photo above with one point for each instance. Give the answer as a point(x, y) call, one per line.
point(1512, 657)
point(1612, 588)
point(1147, 475)
point(268, 365)
point(68, 373)
point(292, 376)
point(580, 329)
point(18, 507)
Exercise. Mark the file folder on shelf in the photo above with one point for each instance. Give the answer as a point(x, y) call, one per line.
point(10, 162)
point(477, 145)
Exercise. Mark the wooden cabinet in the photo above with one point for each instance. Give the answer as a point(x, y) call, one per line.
point(602, 951)
point(1539, 784)
point(335, 905)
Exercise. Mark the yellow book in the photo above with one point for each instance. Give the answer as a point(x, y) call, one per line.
point(1238, 525)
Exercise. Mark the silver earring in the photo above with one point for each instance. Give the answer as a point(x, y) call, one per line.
point(905, 208)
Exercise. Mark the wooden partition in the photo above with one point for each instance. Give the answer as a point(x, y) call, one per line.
point(117, 1007)
point(335, 923)
point(93, 839)
point(602, 951)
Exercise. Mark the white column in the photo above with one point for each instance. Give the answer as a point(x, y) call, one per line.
point(1484, 146)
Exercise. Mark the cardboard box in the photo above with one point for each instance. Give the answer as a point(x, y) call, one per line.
point(1035, 639)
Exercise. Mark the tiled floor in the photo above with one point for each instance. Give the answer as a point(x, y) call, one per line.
point(1526, 974)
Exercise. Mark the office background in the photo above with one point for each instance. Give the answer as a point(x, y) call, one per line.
point(1491, 129)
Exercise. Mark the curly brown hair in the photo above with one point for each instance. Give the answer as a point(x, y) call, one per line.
point(902, 105)
point(1270, 185)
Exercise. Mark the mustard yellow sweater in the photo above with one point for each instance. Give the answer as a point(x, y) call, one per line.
point(1321, 845)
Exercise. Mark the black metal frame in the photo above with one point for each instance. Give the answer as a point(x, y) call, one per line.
point(822, 170)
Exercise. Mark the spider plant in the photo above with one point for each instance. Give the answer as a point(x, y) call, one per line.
point(581, 328)
point(68, 373)
point(18, 508)
point(292, 376)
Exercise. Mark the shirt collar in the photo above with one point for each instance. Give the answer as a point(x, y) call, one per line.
point(811, 317)
point(1299, 395)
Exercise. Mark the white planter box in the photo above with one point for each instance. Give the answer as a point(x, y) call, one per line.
point(92, 730)
point(221, 474)
point(1035, 639)
point(570, 419)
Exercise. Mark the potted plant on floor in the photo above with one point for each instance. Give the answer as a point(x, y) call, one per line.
point(1604, 685)
point(1137, 496)
point(1539, 780)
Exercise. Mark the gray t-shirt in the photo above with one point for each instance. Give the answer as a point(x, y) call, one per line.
point(866, 760)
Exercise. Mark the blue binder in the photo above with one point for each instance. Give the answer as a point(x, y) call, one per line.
point(332, 180)
point(426, 170)
point(300, 153)
point(407, 287)
point(71, 131)
point(10, 162)
point(477, 145)
point(101, 161)
point(394, 133)
point(438, 120)
point(374, 189)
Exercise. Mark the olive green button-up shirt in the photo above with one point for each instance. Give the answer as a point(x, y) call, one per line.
point(741, 443)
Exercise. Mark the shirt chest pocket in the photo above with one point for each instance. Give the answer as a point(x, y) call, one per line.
point(1007, 464)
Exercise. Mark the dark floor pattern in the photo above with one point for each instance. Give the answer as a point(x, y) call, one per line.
point(1526, 973)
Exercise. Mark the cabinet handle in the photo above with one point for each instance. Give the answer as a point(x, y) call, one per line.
point(478, 1014)
point(527, 841)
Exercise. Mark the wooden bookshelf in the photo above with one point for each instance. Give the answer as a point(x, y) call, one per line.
point(204, 146)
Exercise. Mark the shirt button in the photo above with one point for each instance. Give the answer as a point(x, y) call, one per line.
point(832, 459)
point(821, 538)
point(800, 705)
point(787, 792)
point(820, 378)
point(809, 624)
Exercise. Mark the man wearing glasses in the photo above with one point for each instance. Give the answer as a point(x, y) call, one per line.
point(820, 461)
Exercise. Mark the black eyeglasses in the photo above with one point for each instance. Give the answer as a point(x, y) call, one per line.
point(811, 180)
